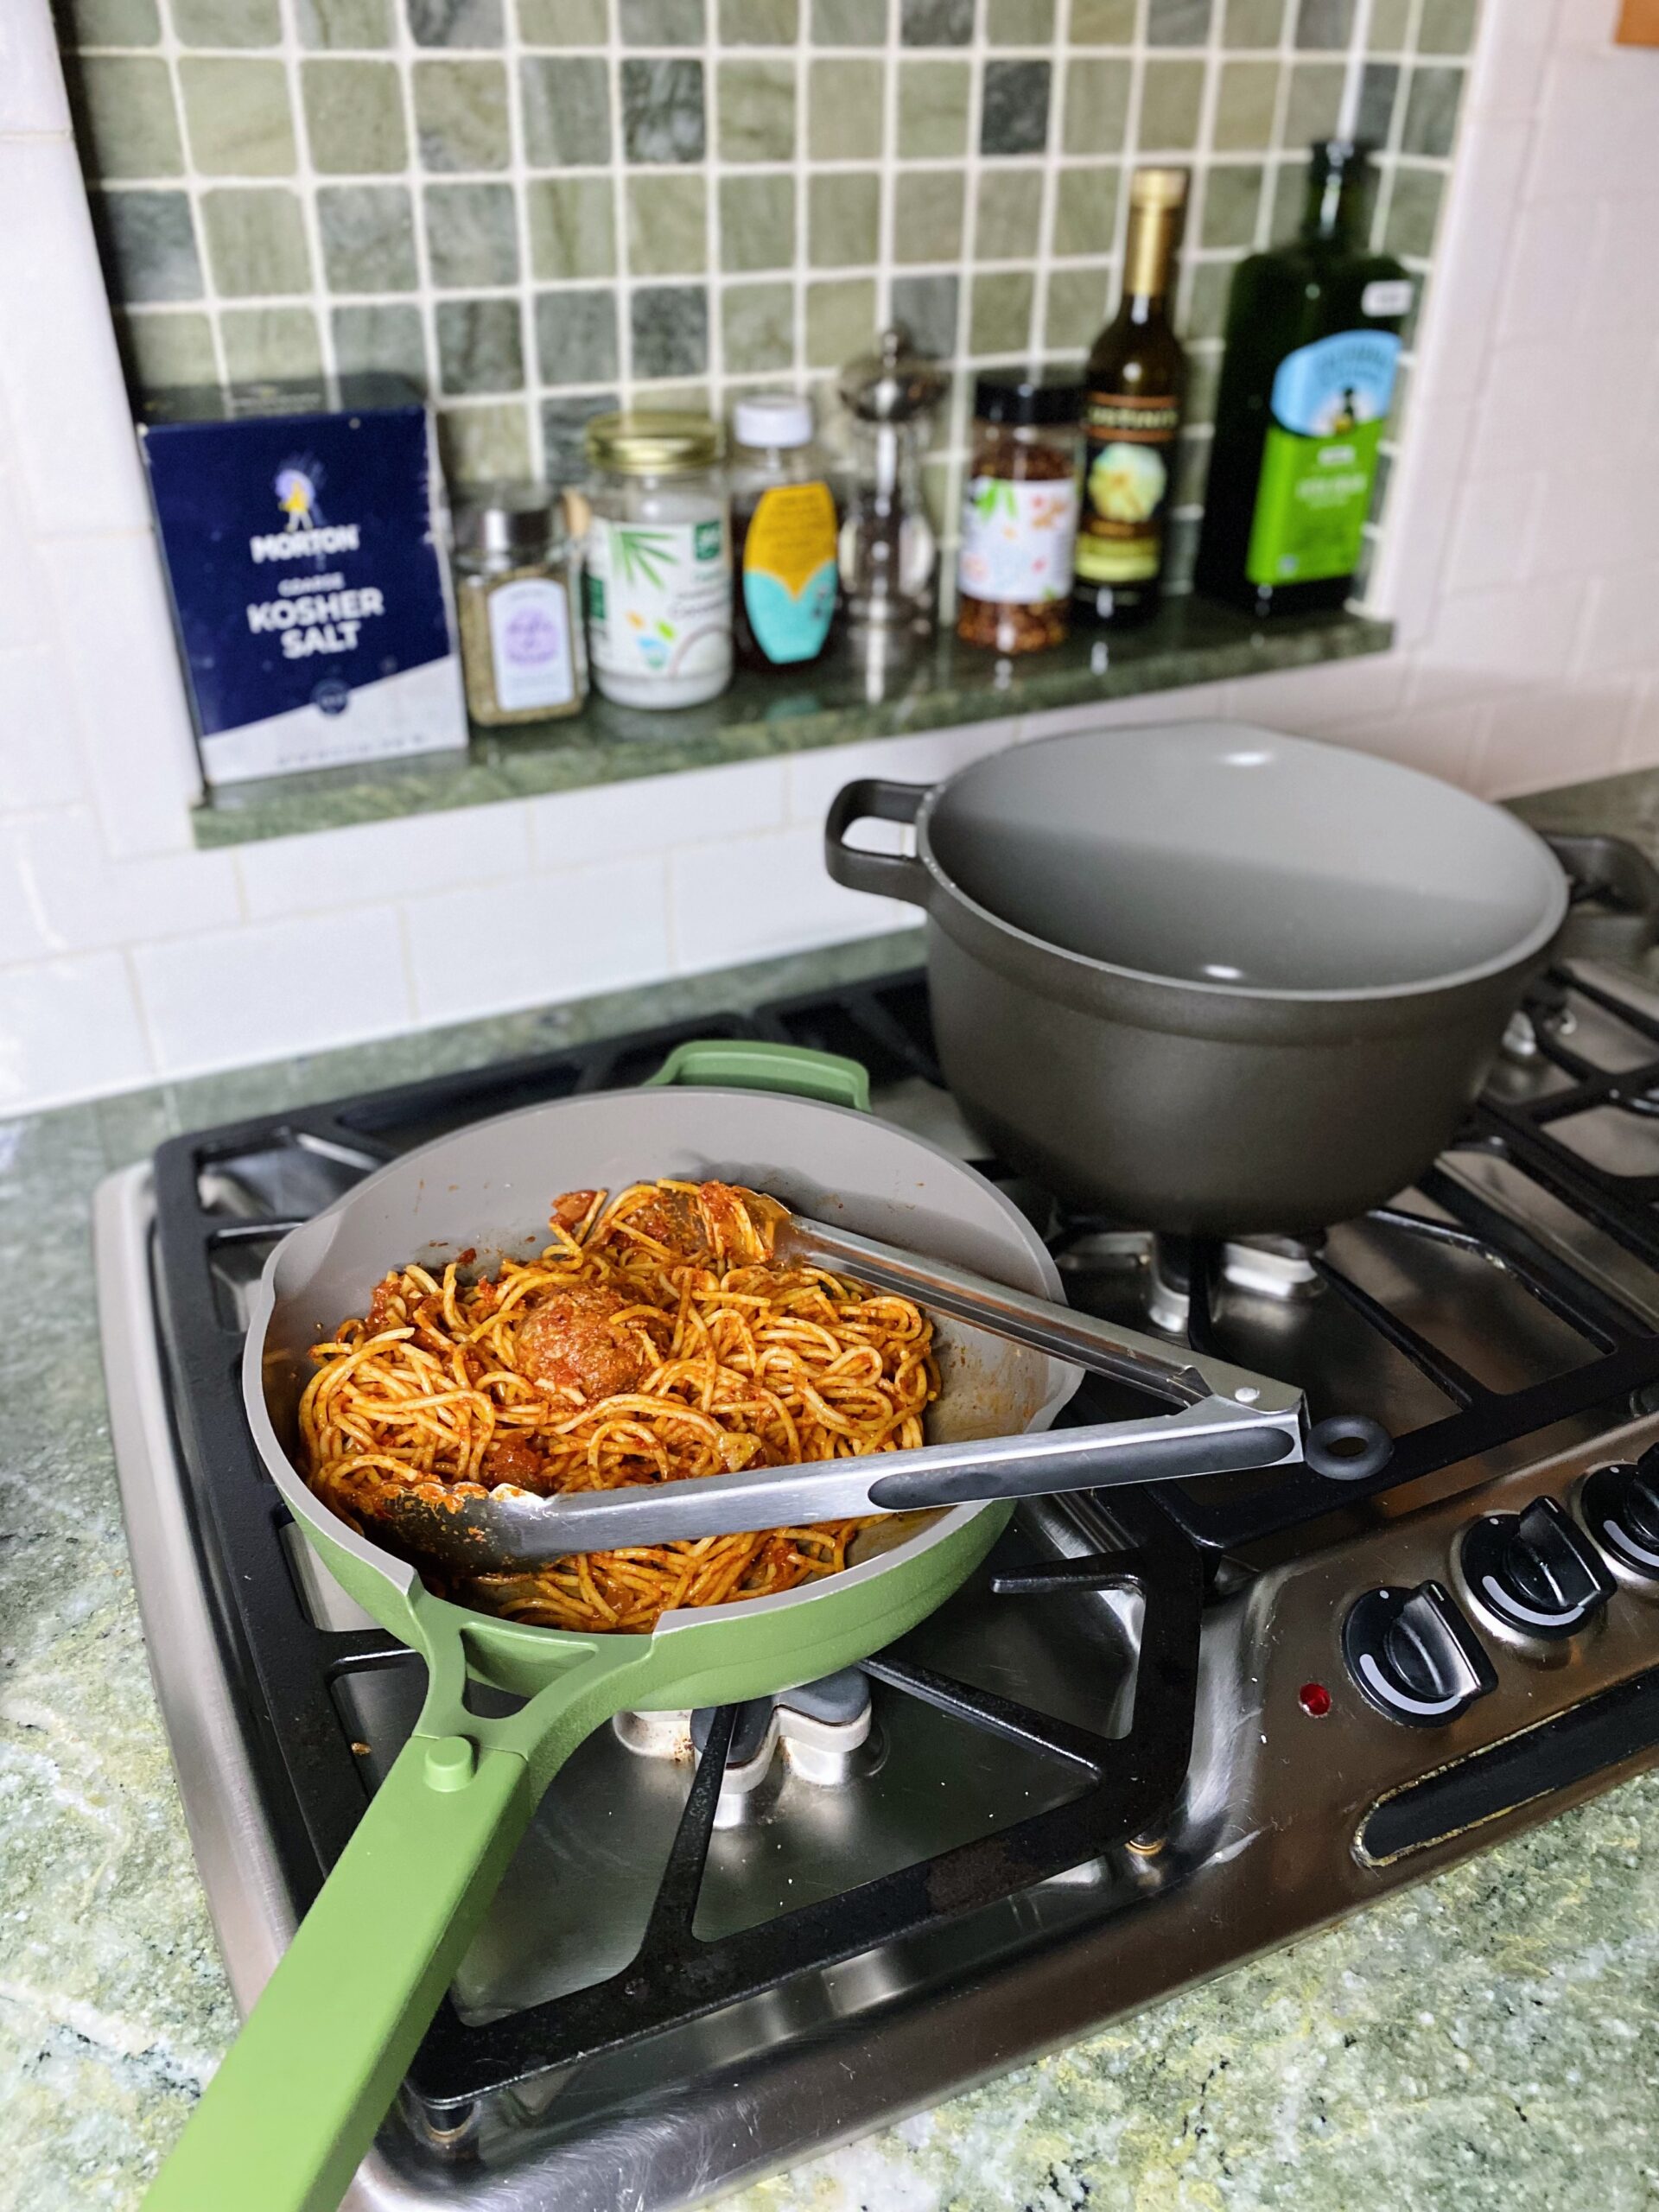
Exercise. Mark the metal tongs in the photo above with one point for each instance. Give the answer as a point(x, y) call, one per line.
point(1228, 1420)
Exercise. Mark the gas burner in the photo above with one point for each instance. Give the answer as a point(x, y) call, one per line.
point(1083, 1248)
point(1169, 1285)
point(1157, 1268)
point(1546, 1017)
point(1521, 1039)
point(1272, 1267)
point(820, 1733)
point(1281, 1268)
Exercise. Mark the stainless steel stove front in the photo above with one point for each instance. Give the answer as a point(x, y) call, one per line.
point(1265, 1844)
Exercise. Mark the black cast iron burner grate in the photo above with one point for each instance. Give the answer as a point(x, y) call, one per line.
point(1621, 1204)
point(1130, 1785)
point(889, 1019)
point(1622, 1365)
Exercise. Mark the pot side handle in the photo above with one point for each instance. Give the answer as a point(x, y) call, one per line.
point(1614, 914)
point(753, 1064)
point(887, 875)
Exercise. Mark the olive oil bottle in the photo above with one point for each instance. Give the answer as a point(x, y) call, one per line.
point(1135, 388)
point(1312, 342)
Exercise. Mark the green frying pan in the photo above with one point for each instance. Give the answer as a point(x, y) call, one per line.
point(294, 2107)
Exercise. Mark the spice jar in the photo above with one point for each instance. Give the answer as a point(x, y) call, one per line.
point(1019, 513)
point(659, 560)
point(520, 648)
point(784, 527)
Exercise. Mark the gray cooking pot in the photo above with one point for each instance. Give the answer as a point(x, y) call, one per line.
point(1208, 978)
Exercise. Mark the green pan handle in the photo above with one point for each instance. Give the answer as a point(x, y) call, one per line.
point(748, 1064)
point(284, 2123)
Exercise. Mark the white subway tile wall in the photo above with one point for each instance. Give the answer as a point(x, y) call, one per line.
point(40, 763)
point(213, 1001)
point(31, 83)
point(656, 812)
point(81, 903)
point(69, 1029)
point(789, 901)
point(115, 628)
point(1522, 561)
point(61, 378)
point(384, 862)
point(534, 937)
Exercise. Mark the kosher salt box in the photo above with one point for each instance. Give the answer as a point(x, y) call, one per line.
point(299, 527)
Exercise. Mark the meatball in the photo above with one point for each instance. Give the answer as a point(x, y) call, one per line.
point(671, 1220)
point(509, 1458)
point(570, 1339)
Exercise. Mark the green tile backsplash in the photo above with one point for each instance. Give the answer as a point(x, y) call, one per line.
point(536, 209)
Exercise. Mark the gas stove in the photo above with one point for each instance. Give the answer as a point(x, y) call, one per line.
point(1161, 1730)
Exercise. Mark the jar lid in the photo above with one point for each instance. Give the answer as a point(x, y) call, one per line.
point(1027, 398)
point(659, 441)
point(504, 519)
point(773, 418)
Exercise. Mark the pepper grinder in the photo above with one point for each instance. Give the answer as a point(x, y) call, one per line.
point(888, 549)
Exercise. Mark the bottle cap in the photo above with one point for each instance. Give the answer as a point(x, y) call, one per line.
point(1159, 188)
point(500, 519)
point(1026, 398)
point(773, 418)
point(1339, 157)
point(653, 442)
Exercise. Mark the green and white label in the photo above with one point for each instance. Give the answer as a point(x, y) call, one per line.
point(659, 598)
point(1329, 402)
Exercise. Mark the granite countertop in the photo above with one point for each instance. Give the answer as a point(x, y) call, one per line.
point(838, 701)
point(1486, 2042)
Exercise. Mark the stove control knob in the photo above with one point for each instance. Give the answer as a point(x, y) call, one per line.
point(1532, 1572)
point(1620, 1506)
point(1414, 1655)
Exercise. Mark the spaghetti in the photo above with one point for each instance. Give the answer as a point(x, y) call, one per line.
point(655, 1339)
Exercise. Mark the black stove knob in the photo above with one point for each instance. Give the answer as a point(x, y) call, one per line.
point(1620, 1505)
point(1414, 1655)
point(1532, 1571)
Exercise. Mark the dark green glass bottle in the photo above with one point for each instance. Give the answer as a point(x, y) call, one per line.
point(1312, 342)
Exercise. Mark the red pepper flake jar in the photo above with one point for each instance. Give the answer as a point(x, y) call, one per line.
point(1019, 512)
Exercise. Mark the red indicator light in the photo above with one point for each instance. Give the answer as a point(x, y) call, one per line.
point(1315, 1699)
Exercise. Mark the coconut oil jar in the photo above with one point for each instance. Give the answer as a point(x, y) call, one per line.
point(659, 567)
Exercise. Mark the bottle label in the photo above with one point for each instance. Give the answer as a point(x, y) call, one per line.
point(1128, 456)
point(1329, 403)
point(659, 598)
point(530, 645)
point(788, 571)
point(1017, 540)
point(1386, 296)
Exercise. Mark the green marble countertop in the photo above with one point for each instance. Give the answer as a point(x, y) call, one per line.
point(836, 703)
point(1487, 2042)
